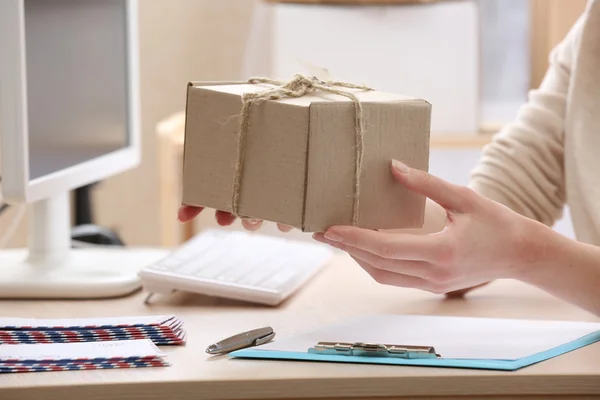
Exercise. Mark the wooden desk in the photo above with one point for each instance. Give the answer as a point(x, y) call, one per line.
point(342, 291)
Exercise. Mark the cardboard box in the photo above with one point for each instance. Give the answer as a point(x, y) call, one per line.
point(299, 156)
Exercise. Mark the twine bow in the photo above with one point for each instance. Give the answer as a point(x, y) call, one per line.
point(297, 87)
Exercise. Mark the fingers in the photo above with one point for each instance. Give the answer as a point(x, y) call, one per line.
point(251, 224)
point(452, 197)
point(284, 228)
point(187, 213)
point(255, 224)
point(386, 245)
point(224, 218)
point(418, 269)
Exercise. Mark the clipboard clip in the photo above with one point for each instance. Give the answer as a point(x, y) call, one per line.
point(360, 349)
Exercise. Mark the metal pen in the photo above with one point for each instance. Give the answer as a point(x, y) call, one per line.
point(255, 337)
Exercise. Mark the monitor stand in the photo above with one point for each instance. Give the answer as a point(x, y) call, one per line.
point(51, 269)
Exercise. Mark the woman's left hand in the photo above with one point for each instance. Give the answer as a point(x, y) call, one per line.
point(482, 241)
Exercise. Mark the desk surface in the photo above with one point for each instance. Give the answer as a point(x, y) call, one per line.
point(342, 291)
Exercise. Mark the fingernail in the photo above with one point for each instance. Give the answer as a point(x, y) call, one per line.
point(284, 228)
point(253, 221)
point(400, 167)
point(333, 236)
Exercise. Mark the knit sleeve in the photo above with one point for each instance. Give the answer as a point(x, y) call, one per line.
point(522, 167)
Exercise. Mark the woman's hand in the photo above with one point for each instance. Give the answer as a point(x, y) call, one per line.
point(187, 213)
point(482, 241)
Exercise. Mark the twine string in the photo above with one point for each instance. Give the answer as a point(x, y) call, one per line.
point(297, 87)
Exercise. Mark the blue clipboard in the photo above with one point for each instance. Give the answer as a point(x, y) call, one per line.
point(580, 334)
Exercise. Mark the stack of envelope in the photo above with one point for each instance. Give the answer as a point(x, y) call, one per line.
point(161, 330)
point(44, 357)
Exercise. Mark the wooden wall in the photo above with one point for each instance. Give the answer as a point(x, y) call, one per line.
point(551, 20)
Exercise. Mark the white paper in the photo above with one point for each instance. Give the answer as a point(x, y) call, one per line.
point(452, 337)
point(83, 322)
point(65, 351)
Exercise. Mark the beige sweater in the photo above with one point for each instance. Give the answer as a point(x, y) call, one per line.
point(550, 155)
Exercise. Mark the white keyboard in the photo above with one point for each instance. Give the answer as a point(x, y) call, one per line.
point(238, 265)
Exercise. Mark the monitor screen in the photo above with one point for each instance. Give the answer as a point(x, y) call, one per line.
point(76, 63)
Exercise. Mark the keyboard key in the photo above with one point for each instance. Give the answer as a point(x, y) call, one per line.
point(241, 265)
point(279, 279)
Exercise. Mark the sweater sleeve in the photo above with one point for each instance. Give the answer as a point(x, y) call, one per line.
point(522, 167)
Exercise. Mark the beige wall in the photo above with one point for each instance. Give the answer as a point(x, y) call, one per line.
point(550, 22)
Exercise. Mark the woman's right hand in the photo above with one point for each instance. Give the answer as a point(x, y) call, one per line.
point(188, 213)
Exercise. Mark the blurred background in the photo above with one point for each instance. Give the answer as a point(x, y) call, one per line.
point(474, 60)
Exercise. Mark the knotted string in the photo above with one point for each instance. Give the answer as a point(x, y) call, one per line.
point(297, 87)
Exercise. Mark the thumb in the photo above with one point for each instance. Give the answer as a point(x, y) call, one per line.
point(448, 195)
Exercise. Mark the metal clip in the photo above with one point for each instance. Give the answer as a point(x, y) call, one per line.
point(361, 349)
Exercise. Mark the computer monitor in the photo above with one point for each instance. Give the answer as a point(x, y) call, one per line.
point(69, 115)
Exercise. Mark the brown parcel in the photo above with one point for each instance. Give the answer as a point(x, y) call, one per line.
point(299, 156)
